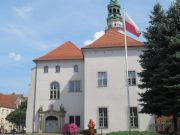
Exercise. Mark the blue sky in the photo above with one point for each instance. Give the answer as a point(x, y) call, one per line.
point(31, 28)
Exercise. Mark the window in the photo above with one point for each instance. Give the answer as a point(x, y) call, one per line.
point(102, 79)
point(75, 68)
point(134, 117)
point(75, 86)
point(132, 78)
point(57, 69)
point(114, 10)
point(110, 11)
point(75, 119)
point(45, 69)
point(103, 118)
point(54, 91)
point(118, 10)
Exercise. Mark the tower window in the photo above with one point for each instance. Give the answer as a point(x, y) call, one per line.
point(118, 10)
point(114, 10)
point(110, 11)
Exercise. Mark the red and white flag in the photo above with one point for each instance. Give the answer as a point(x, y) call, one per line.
point(131, 26)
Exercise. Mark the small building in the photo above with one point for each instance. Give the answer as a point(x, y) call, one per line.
point(8, 103)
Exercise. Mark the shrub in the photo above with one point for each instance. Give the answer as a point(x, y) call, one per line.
point(69, 129)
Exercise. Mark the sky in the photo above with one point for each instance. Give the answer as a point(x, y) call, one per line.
point(31, 28)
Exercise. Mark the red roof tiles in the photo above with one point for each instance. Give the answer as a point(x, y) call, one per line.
point(8, 101)
point(113, 38)
point(67, 51)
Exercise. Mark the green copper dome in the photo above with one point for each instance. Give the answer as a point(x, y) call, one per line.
point(114, 10)
point(114, 3)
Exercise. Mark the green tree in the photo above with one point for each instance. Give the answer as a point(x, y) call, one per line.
point(172, 63)
point(161, 65)
point(18, 116)
point(150, 60)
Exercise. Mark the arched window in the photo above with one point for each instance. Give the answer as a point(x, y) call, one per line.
point(54, 90)
point(114, 10)
point(110, 11)
point(118, 10)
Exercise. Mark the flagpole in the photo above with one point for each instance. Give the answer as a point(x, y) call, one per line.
point(127, 82)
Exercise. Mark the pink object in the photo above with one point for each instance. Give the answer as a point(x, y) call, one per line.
point(70, 128)
point(131, 26)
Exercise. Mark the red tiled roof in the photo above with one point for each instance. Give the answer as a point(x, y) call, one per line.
point(112, 38)
point(8, 101)
point(67, 51)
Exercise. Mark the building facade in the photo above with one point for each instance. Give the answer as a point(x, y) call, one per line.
point(72, 85)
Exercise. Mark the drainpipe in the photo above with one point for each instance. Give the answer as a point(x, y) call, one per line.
point(34, 105)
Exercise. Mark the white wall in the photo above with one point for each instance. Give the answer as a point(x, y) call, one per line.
point(4, 112)
point(30, 103)
point(114, 96)
point(72, 102)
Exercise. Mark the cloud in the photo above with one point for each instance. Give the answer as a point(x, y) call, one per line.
point(96, 36)
point(15, 56)
point(23, 12)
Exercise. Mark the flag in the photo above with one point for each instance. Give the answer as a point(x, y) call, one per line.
point(131, 26)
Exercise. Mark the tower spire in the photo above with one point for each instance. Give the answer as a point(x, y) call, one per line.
point(114, 19)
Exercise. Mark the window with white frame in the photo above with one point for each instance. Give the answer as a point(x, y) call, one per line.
point(54, 91)
point(132, 78)
point(58, 69)
point(134, 117)
point(75, 86)
point(75, 119)
point(103, 118)
point(46, 69)
point(76, 68)
point(102, 79)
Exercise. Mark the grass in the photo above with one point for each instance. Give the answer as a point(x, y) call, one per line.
point(132, 133)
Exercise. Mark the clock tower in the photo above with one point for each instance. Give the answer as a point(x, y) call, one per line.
point(114, 19)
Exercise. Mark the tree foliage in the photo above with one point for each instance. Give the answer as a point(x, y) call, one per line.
point(161, 63)
point(150, 62)
point(18, 116)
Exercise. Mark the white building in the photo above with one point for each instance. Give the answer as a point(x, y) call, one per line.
point(70, 85)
